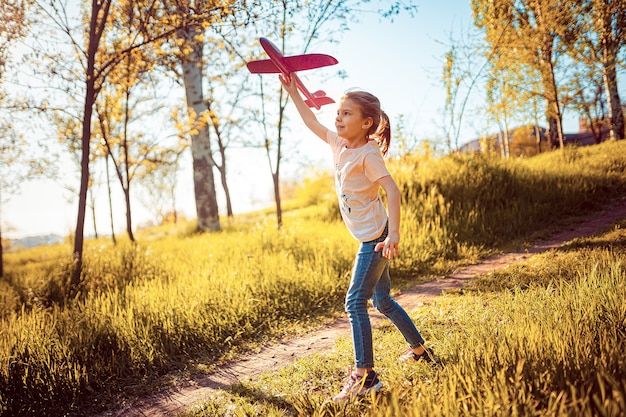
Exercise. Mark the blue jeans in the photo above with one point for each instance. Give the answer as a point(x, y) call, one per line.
point(370, 280)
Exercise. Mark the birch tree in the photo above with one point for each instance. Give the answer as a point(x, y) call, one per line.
point(191, 48)
point(95, 60)
point(184, 55)
point(500, 107)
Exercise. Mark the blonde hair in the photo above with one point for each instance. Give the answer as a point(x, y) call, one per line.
point(370, 107)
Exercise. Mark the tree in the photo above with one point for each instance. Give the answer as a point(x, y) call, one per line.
point(160, 184)
point(122, 103)
point(589, 101)
point(460, 75)
point(97, 60)
point(94, 77)
point(12, 27)
point(184, 55)
point(606, 20)
point(499, 106)
point(227, 92)
point(191, 49)
point(531, 36)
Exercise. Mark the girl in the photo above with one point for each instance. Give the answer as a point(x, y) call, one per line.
point(362, 138)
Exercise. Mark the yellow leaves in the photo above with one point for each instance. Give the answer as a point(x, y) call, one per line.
point(194, 122)
point(149, 165)
point(211, 115)
point(186, 49)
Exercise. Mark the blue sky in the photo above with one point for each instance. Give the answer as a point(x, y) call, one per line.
point(399, 61)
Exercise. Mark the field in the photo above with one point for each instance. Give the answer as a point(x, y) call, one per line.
point(532, 340)
point(544, 338)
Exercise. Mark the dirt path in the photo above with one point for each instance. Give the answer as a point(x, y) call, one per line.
point(176, 399)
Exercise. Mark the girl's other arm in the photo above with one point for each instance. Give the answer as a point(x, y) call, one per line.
point(308, 117)
point(390, 245)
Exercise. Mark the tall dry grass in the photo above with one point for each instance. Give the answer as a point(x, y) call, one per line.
point(542, 338)
point(173, 301)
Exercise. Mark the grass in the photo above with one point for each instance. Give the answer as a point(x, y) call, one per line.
point(551, 347)
point(182, 302)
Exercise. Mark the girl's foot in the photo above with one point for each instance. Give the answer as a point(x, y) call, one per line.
point(356, 385)
point(427, 356)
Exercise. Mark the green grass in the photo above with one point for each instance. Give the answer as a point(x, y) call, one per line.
point(182, 302)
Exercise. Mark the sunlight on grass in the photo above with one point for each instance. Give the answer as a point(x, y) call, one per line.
point(180, 300)
point(555, 348)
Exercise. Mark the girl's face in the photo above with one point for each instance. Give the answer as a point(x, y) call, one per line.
point(350, 123)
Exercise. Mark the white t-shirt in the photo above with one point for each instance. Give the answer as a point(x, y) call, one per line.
point(356, 171)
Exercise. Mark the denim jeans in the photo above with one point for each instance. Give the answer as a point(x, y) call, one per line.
point(370, 280)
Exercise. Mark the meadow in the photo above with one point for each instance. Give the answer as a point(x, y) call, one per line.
point(543, 338)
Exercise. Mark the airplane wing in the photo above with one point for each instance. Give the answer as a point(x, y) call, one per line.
point(294, 63)
point(263, 66)
point(309, 61)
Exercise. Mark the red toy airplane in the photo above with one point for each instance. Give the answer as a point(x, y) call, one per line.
point(288, 65)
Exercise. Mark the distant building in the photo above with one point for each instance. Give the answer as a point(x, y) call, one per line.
point(586, 134)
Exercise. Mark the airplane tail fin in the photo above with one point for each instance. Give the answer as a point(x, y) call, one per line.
point(321, 99)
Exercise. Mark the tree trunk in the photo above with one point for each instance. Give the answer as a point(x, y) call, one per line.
point(553, 112)
point(110, 201)
point(507, 142)
point(221, 168)
point(500, 141)
point(126, 187)
point(129, 222)
point(553, 135)
point(549, 91)
point(279, 210)
point(203, 179)
point(1, 254)
point(537, 138)
point(84, 183)
point(616, 114)
point(92, 206)
point(279, 155)
point(229, 205)
point(97, 23)
point(174, 212)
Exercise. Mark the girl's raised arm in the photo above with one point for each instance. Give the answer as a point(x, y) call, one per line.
point(308, 117)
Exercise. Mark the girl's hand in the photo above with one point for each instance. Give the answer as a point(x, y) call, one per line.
point(389, 246)
point(308, 117)
point(289, 83)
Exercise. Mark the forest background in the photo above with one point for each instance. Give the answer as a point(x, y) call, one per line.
point(85, 82)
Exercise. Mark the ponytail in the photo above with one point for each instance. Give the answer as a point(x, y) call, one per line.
point(383, 133)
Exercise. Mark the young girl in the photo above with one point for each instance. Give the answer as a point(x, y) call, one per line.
point(362, 139)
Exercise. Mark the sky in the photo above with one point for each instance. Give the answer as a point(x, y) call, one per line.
point(400, 62)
